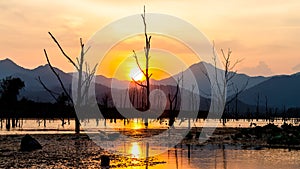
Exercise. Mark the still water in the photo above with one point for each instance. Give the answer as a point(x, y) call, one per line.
point(56, 126)
point(208, 156)
point(227, 157)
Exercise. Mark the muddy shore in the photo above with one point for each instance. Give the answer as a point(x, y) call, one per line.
point(79, 151)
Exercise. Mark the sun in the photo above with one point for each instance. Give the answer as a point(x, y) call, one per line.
point(136, 74)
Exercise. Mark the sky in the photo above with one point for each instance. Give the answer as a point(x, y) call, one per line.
point(264, 34)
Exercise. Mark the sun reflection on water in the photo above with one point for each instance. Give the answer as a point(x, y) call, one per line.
point(135, 150)
point(135, 124)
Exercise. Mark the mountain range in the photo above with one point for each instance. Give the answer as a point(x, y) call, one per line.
point(276, 91)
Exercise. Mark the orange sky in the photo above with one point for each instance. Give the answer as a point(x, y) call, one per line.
point(263, 33)
point(168, 57)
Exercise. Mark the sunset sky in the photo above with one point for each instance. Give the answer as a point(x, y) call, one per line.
point(265, 34)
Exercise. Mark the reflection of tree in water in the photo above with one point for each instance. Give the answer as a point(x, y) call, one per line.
point(224, 156)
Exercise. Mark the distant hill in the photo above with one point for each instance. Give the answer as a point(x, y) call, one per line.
point(199, 71)
point(33, 89)
point(280, 90)
point(8, 67)
point(120, 84)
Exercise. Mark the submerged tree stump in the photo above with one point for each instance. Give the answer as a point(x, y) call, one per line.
point(105, 161)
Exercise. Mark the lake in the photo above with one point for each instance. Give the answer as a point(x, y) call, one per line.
point(209, 156)
point(48, 126)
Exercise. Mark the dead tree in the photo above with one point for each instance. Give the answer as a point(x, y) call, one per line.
point(60, 98)
point(229, 74)
point(85, 77)
point(147, 57)
point(268, 112)
point(257, 107)
point(173, 100)
point(236, 104)
point(224, 79)
point(105, 100)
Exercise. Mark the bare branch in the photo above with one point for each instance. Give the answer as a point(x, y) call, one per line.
point(63, 52)
point(235, 63)
point(144, 20)
point(231, 75)
point(146, 51)
point(77, 61)
point(47, 89)
point(205, 74)
point(140, 84)
point(138, 64)
point(216, 72)
point(57, 76)
point(175, 97)
point(81, 44)
point(238, 92)
point(89, 74)
point(87, 50)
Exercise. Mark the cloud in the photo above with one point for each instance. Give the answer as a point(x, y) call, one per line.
point(296, 68)
point(262, 69)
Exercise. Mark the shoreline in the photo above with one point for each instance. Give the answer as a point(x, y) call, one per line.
point(220, 135)
point(79, 151)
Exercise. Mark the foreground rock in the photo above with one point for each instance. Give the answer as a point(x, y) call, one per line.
point(29, 144)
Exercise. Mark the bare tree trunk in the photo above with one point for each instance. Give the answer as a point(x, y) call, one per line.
point(267, 111)
point(8, 123)
point(172, 108)
point(13, 124)
point(236, 107)
point(226, 78)
point(83, 82)
point(45, 122)
point(147, 57)
point(257, 107)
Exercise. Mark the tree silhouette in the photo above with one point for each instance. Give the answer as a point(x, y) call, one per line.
point(63, 103)
point(222, 79)
point(173, 100)
point(10, 88)
point(147, 58)
point(84, 74)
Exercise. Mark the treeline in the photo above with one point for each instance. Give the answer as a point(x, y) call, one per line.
point(30, 109)
point(289, 113)
point(11, 107)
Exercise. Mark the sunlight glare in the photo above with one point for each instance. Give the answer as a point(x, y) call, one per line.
point(136, 125)
point(136, 74)
point(135, 150)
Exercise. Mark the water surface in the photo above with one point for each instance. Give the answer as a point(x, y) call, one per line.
point(182, 156)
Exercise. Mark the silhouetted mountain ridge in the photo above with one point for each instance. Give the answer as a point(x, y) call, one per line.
point(8, 67)
point(200, 70)
point(281, 90)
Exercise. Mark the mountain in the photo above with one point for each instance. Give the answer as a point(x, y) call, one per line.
point(33, 89)
point(108, 82)
point(199, 72)
point(8, 67)
point(279, 91)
